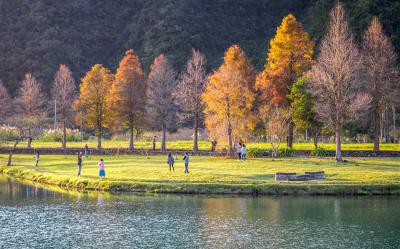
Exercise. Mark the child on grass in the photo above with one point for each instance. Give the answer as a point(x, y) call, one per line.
point(102, 171)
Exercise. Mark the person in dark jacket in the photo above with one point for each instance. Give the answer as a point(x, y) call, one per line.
point(79, 163)
point(87, 151)
point(154, 142)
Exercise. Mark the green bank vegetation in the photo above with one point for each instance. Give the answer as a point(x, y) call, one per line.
point(211, 175)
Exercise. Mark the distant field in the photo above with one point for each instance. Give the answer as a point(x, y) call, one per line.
point(208, 174)
point(203, 145)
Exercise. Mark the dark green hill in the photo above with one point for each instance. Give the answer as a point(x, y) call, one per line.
point(39, 35)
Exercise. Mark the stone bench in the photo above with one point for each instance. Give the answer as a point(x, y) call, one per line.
point(284, 176)
point(302, 178)
point(280, 176)
point(316, 174)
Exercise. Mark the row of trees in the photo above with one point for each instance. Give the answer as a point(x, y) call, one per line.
point(344, 82)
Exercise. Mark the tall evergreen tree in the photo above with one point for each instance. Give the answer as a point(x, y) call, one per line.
point(229, 97)
point(91, 105)
point(289, 56)
point(128, 95)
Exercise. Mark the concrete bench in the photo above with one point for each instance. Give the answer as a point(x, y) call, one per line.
point(302, 178)
point(316, 174)
point(284, 176)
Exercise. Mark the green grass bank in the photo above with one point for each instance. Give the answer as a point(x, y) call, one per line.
point(211, 175)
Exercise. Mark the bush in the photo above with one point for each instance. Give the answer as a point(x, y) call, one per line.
point(320, 152)
point(255, 152)
point(51, 135)
point(288, 152)
point(8, 133)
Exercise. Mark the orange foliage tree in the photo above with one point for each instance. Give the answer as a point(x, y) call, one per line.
point(128, 95)
point(228, 98)
point(91, 104)
point(289, 56)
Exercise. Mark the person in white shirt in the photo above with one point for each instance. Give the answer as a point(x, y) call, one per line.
point(243, 152)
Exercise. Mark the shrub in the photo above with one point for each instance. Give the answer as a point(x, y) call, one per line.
point(287, 152)
point(320, 152)
point(51, 135)
point(8, 133)
point(255, 152)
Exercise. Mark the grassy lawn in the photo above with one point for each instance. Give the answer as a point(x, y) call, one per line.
point(203, 145)
point(214, 172)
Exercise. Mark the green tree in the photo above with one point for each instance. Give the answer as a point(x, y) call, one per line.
point(303, 109)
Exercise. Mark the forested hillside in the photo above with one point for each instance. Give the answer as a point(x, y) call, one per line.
point(37, 36)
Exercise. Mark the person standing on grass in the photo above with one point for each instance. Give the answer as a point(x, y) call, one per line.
point(186, 160)
point(79, 163)
point(87, 151)
point(37, 157)
point(171, 162)
point(154, 142)
point(102, 171)
point(243, 152)
point(239, 150)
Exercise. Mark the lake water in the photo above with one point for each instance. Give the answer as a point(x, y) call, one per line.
point(34, 217)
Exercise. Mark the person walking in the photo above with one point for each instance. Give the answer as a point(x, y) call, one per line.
point(87, 151)
point(37, 157)
point(79, 163)
point(154, 142)
point(102, 171)
point(186, 160)
point(171, 162)
point(239, 150)
point(243, 152)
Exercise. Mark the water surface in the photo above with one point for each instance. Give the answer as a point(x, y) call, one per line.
point(35, 217)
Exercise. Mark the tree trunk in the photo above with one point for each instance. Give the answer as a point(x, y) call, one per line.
point(195, 138)
point(11, 153)
point(64, 139)
point(230, 145)
point(131, 146)
point(99, 137)
point(315, 139)
point(338, 145)
point(290, 135)
point(163, 137)
point(387, 124)
point(377, 128)
point(29, 138)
